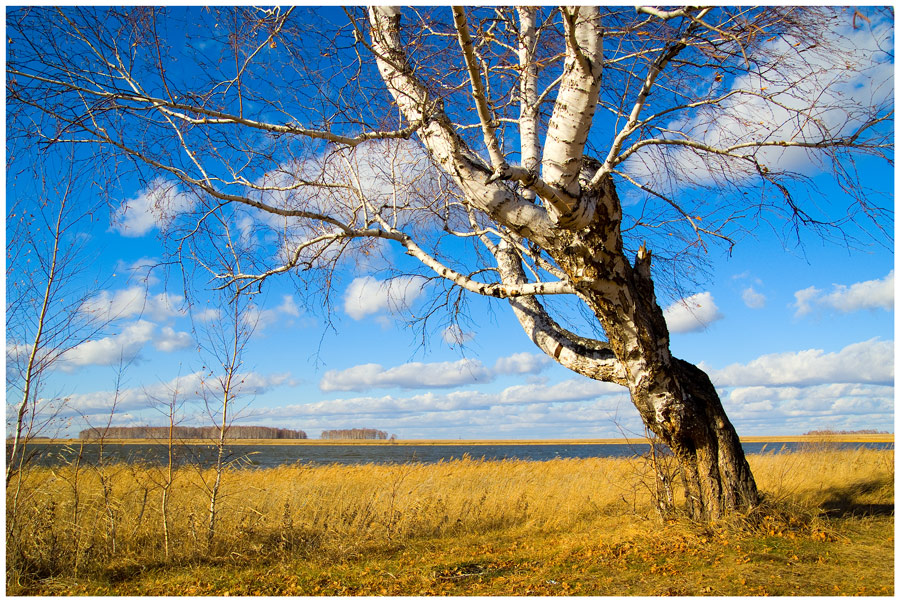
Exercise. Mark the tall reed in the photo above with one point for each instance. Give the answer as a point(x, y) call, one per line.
point(334, 510)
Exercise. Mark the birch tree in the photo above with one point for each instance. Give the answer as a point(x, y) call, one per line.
point(49, 279)
point(523, 154)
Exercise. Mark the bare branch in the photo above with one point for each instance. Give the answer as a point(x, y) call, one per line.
point(585, 356)
point(498, 161)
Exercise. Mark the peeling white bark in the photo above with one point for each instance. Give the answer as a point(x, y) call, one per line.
point(580, 230)
point(500, 290)
point(591, 358)
point(439, 137)
point(529, 109)
point(573, 115)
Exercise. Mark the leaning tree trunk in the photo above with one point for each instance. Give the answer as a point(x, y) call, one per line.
point(578, 223)
point(676, 399)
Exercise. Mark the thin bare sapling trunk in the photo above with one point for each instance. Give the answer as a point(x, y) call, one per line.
point(170, 473)
point(46, 306)
point(171, 408)
point(233, 342)
point(104, 467)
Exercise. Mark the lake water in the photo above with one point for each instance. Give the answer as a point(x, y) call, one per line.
point(267, 456)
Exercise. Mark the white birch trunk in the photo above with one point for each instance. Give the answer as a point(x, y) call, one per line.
point(573, 114)
point(581, 230)
point(439, 137)
point(529, 111)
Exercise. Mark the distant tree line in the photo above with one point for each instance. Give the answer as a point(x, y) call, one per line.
point(356, 434)
point(859, 432)
point(190, 432)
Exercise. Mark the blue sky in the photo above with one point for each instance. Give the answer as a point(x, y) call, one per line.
point(782, 366)
point(796, 338)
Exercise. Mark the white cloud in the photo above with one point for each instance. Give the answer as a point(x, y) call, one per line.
point(753, 299)
point(134, 301)
point(521, 363)
point(169, 340)
point(392, 175)
point(110, 350)
point(519, 397)
point(454, 335)
point(125, 345)
point(573, 408)
point(575, 389)
point(692, 313)
point(804, 298)
point(254, 383)
point(153, 207)
point(367, 295)
point(288, 307)
point(415, 375)
point(813, 92)
point(207, 315)
point(140, 270)
point(15, 351)
point(263, 318)
point(396, 178)
point(871, 294)
point(260, 319)
point(446, 418)
point(866, 362)
point(795, 410)
point(189, 387)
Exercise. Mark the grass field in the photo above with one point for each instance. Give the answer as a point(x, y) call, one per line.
point(468, 527)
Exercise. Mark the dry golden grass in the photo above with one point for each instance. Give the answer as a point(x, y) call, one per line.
point(458, 527)
point(821, 475)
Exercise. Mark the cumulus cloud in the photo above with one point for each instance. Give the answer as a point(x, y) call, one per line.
point(393, 176)
point(521, 363)
point(830, 90)
point(208, 314)
point(367, 295)
point(189, 387)
point(134, 301)
point(870, 361)
point(871, 294)
point(430, 416)
point(519, 396)
point(772, 410)
point(255, 383)
point(575, 389)
point(140, 270)
point(153, 207)
point(418, 375)
point(692, 313)
point(414, 375)
point(753, 299)
point(169, 340)
point(125, 345)
point(257, 317)
point(263, 318)
point(110, 350)
point(454, 335)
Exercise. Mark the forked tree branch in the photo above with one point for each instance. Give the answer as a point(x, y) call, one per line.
point(589, 357)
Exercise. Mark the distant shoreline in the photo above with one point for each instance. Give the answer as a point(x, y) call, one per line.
point(842, 438)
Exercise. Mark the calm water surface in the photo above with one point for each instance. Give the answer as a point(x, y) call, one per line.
point(267, 456)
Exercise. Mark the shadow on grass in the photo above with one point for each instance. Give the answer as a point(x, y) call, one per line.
point(844, 501)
